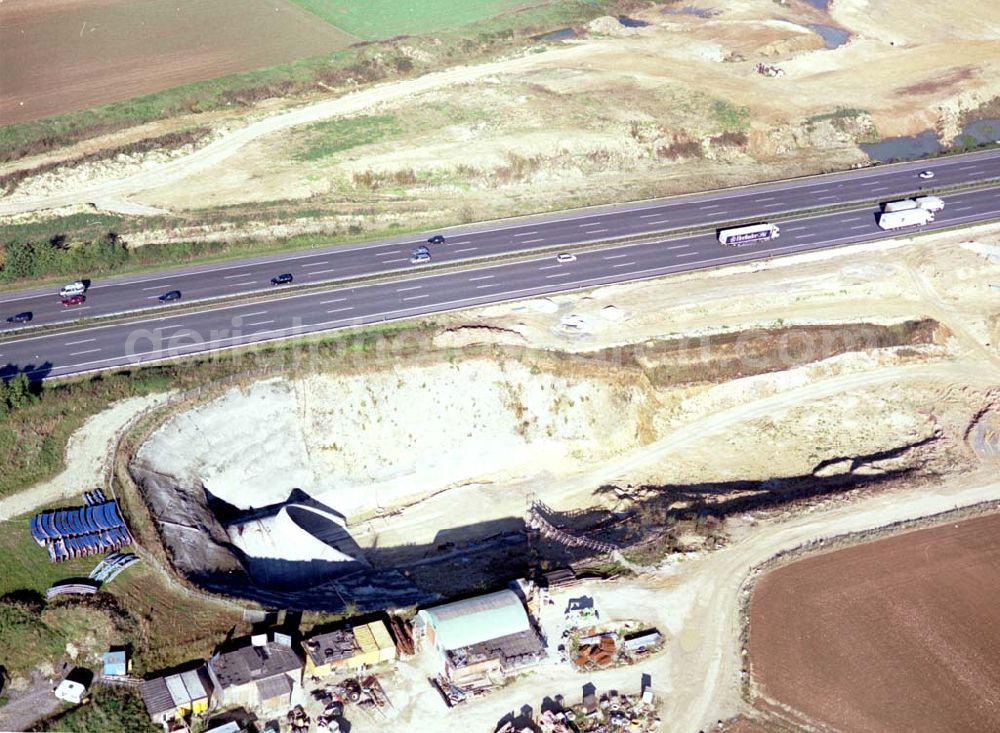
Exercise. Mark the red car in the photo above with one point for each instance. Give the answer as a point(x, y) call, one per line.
point(74, 300)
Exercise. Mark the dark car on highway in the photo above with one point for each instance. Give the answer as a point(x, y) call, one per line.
point(436, 239)
point(24, 317)
point(170, 295)
point(282, 279)
point(74, 300)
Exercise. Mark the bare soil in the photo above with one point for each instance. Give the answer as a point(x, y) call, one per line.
point(65, 56)
point(892, 635)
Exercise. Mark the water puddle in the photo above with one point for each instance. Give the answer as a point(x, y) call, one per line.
point(823, 5)
point(631, 22)
point(563, 34)
point(832, 37)
point(913, 147)
point(979, 132)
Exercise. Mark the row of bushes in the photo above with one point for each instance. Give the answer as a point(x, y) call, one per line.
point(23, 260)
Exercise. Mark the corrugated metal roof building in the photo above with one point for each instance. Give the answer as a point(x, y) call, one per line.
point(175, 695)
point(474, 620)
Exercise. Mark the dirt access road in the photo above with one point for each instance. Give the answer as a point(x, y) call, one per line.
point(108, 193)
point(697, 676)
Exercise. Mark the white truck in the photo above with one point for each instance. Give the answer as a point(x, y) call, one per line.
point(905, 218)
point(931, 203)
point(750, 234)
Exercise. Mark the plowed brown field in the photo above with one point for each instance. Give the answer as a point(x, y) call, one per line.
point(899, 634)
point(63, 55)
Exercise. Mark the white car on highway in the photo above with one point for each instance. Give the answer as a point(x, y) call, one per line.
point(926, 174)
point(566, 257)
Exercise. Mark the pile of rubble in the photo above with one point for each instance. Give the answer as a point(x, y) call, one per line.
point(600, 651)
point(614, 713)
point(768, 70)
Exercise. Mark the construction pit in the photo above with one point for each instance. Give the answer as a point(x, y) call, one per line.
point(650, 418)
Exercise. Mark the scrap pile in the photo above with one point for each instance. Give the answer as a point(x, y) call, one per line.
point(402, 631)
point(599, 651)
point(768, 70)
point(615, 713)
point(453, 694)
point(298, 720)
point(72, 533)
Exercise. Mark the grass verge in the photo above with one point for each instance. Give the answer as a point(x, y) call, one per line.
point(109, 709)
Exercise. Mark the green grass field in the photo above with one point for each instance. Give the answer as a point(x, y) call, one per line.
point(378, 19)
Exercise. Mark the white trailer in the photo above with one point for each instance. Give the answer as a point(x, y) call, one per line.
point(931, 203)
point(905, 218)
point(750, 234)
point(900, 205)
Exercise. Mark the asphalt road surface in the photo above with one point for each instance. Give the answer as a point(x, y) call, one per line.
point(170, 336)
point(758, 203)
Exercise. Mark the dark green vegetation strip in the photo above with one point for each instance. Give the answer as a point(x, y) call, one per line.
point(110, 709)
point(363, 63)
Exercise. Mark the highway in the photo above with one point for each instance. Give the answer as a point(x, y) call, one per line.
point(181, 334)
point(337, 263)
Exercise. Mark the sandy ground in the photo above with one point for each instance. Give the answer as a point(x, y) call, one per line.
point(697, 676)
point(86, 459)
point(617, 113)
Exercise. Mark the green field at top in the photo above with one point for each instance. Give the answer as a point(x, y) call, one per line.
point(378, 19)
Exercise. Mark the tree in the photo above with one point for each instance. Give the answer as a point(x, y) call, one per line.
point(19, 392)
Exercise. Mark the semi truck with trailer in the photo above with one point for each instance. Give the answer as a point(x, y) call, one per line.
point(750, 234)
point(905, 218)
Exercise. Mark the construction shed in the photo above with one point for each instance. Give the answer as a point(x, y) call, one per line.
point(176, 696)
point(363, 645)
point(116, 664)
point(481, 639)
point(260, 674)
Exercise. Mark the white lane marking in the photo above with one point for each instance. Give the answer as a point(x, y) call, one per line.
point(967, 167)
point(317, 264)
point(334, 300)
point(525, 234)
point(660, 221)
point(614, 257)
point(853, 218)
point(550, 267)
point(810, 235)
point(824, 198)
point(679, 246)
point(387, 252)
point(481, 277)
point(418, 297)
point(467, 249)
point(685, 254)
point(411, 287)
point(820, 190)
point(859, 226)
point(321, 272)
point(559, 274)
point(532, 241)
point(240, 285)
point(880, 188)
point(82, 341)
point(709, 206)
point(765, 198)
point(595, 231)
point(341, 310)
point(488, 285)
point(646, 216)
point(792, 229)
point(464, 241)
point(961, 208)
point(233, 277)
point(624, 264)
point(389, 262)
point(88, 351)
point(260, 323)
point(155, 287)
